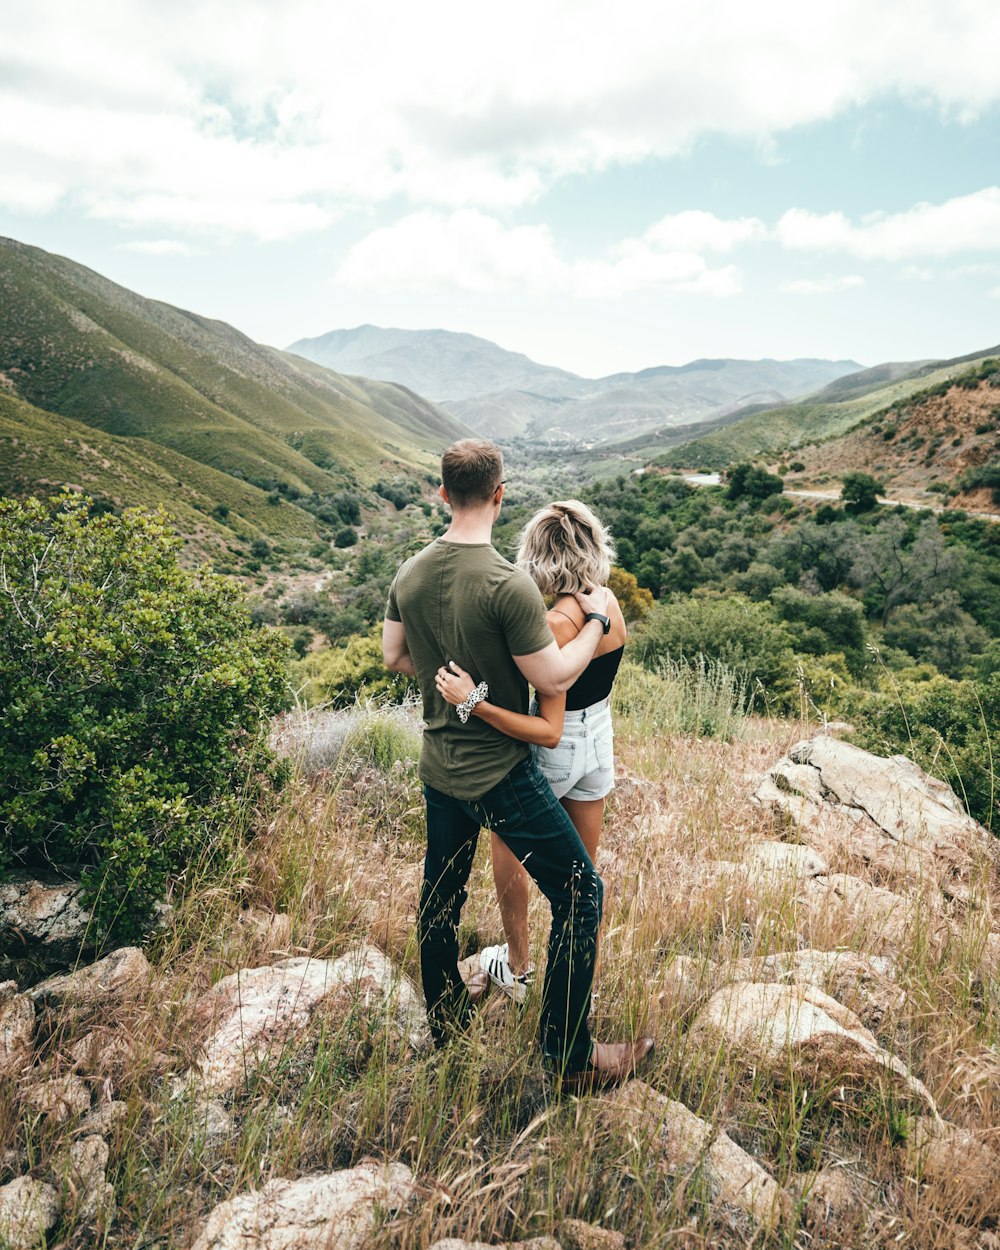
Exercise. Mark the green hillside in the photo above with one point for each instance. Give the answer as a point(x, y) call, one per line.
point(771, 432)
point(186, 411)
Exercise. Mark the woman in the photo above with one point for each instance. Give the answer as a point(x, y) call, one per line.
point(564, 548)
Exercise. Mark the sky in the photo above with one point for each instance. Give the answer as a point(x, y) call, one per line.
point(604, 185)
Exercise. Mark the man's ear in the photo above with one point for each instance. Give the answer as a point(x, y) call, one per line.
point(443, 493)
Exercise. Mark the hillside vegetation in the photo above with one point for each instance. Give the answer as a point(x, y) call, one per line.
point(189, 402)
point(781, 431)
point(930, 446)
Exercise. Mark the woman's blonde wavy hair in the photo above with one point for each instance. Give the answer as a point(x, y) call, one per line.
point(565, 548)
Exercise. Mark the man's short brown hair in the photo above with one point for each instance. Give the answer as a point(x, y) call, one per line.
point(471, 470)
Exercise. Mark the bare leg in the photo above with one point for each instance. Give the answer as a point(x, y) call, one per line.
point(512, 884)
point(587, 815)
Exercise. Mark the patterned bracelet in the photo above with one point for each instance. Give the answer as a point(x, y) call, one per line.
point(464, 709)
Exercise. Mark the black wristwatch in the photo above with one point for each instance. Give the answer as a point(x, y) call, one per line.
point(599, 616)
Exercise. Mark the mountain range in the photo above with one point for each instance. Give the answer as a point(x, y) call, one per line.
point(143, 403)
point(506, 394)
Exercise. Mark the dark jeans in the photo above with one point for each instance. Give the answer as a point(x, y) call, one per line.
point(523, 811)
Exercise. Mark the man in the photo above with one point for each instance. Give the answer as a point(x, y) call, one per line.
point(458, 599)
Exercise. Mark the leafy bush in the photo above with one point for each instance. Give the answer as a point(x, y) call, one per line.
point(339, 677)
point(860, 492)
point(950, 728)
point(133, 695)
point(743, 635)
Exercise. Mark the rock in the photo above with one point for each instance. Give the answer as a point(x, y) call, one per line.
point(886, 812)
point(682, 984)
point(28, 1211)
point(60, 1098)
point(786, 859)
point(274, 929)
point(940, 1153)
point(105, 1118)
point(257, 1011)
point(843, 906)
point(834, 1210)
point(51, 917)
point(94, 1195)
point(335, 1211)
point(865, 984)
point(579, 1235)
point(214, 1129)
point(687, 1142)
point(774, 1025)
point(122, 974)
point(17, 1029)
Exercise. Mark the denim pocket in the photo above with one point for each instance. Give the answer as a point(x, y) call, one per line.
point(556, 763)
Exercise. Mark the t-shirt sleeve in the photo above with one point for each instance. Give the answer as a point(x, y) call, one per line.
point(391, 610)
point(521, 610)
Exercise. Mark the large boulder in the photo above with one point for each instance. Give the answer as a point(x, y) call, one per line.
point(336, 1211)
point(854, 807)
point(17, 1029)
point(258, 1011)
point(775, 1026)
point(28, 1211)
point(686, 1142)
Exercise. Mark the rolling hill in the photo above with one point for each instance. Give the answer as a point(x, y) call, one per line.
point(506, 394)
point(147, 403)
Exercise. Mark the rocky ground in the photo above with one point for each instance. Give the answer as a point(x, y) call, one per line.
point(811, 933)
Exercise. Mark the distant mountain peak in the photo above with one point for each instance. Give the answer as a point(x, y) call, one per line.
point(505, 393)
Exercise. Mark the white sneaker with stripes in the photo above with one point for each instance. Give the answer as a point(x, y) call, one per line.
point(494, 962)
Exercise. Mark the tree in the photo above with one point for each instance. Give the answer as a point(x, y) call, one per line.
point(751, 481)
point(860, 491)
point(134, 699)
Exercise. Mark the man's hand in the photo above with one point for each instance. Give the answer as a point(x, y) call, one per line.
point(597, 599)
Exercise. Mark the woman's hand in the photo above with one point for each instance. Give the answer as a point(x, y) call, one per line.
point(454, 684)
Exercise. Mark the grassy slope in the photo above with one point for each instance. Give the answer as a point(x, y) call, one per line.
point(40, 452)
point(779, 430)
point(79, 346)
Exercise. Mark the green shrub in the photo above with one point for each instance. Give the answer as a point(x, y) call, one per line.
point(736, 632)
point(340, 676)
point(133, 697)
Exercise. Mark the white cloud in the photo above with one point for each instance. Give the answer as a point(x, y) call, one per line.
point(470, 251)
point(161, 247)
point(703, 232)
point(967, 223)
point(143, 108)
point(823, 286)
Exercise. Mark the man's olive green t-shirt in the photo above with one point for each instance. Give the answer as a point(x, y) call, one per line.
point(465, 602)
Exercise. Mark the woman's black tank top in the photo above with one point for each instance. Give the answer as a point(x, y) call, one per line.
point(595, 682)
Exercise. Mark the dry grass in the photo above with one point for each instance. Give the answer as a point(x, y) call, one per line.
point(496, 1155)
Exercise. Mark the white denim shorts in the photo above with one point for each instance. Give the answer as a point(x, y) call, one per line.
point(582, 766)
